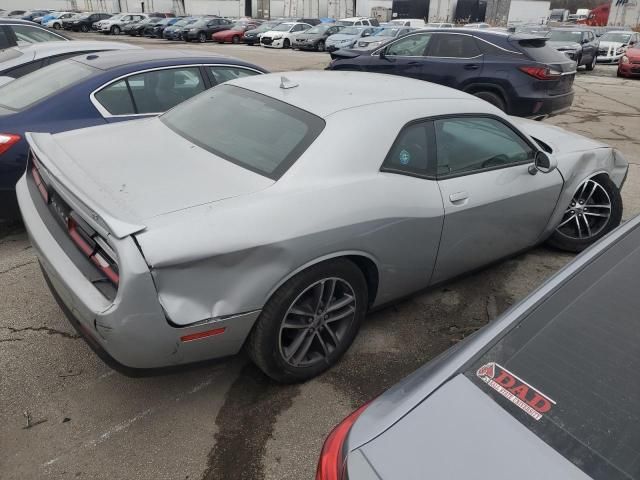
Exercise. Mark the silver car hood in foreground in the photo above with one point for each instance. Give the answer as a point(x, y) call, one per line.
point(150, 172)
point(459, 433)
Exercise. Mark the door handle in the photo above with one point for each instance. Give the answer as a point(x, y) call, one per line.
point(458, 197)
point(414, 63)
point(471, 66)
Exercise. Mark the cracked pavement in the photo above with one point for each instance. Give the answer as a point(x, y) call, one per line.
point(225, 420)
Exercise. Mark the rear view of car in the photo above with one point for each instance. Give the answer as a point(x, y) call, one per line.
point(547, 391)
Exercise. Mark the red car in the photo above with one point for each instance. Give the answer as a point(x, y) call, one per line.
point(233, 35)
point(629, 65)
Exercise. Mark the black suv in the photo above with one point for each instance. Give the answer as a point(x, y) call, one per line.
point(579, 44)
point(519, 74)
point(203, 29)
point(83, 23)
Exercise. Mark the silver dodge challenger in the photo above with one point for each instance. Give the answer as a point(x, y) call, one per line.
point(273, 212)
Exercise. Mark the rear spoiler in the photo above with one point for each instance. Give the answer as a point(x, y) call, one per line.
point(344, 53)
point(44, 147)
point(529, 40)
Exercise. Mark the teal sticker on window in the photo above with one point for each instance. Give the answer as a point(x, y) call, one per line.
point(405, 157)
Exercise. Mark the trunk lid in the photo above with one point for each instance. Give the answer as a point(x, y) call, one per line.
point(129, 172)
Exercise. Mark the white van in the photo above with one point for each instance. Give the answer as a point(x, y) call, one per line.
point(358, 22)
point(408, 22)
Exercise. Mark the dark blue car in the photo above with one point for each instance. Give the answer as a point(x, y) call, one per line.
point(97, 89)
point(517, 73)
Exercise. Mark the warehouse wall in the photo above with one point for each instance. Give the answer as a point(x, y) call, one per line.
point(627, 15)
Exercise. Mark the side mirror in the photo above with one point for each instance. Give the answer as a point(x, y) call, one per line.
point(543, 163)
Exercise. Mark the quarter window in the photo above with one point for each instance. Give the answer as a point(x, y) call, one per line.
point(470, 144)
point(224, 74)
point(411, 46)
point(160, 90)
point(453, 46)
point(409, 152)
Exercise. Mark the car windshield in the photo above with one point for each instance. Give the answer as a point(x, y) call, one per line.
point(565, 36)
point(351, 30)
point(162, 21)
point(616, 37)
point(116, 17)
point(82, 17)
point(387, 32)
point(265, 27)
point(182, 23)
point(263, 135)
point(33, 87)
point(319, 29)
point(238, 28)
point(568, 371)
point(283, 27)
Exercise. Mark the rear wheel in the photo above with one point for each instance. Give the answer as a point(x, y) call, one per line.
point(493, 98)
point(235, 39)
point(309, 322)
point(320, 46)
point(595, 210)
point(592, 65)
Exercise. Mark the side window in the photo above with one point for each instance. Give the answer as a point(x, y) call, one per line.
point(453, 46)
point(26, 33)
point(116, 99)
point(22, 70)
point(160, 90)
point(409, 152)
point(469, 144)
point(411, 46)
point(223, 74)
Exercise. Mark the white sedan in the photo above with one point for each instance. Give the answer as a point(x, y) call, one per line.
point(282, 35)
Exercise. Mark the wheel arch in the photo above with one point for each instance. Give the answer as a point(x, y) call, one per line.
point(489, 87)
point(365, 262)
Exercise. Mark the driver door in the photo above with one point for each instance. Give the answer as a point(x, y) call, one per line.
point(404, 57)
point(493, 206)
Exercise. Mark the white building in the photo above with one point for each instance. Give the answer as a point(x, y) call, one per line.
point(227, 8)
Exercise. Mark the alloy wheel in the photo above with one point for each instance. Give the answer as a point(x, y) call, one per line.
point(588, 213)
point(316, 322)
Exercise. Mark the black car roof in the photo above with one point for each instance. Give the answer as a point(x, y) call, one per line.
point(120, 58)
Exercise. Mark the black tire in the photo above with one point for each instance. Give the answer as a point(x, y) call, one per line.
point(320, 46)
point(115, 30)
point(286, 43)
point(592, 65)
point(263, 344)
point(569, 244)
point(618, 74)
point(56, 26)
point(202, 37)
point(493, 98)
point(235, 39)
point(84, 28)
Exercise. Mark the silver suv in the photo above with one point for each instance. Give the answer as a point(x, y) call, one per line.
point(115, 24)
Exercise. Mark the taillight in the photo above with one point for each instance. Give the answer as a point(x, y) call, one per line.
point(8, 140)
point(541, 73)
point(331, 463)
point(98, 258)
point(42, 187)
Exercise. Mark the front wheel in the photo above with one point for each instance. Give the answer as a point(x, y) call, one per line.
point(595, 210)
point(286, 43)
point(115, 30)
point(235, 39)
point(84, 28)
point(592, 65)
point(309, 322)
point(202, 37)
point(320, 46)
point(56, 26)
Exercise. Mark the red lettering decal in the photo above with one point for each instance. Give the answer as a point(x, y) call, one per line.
point(506, 380)
point(520, 391)
point(540, 404)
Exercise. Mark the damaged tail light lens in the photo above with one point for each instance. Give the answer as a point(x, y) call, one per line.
point(42, 187)
point(541, 73)
point(331, 463)
point(99, 258)
point(8, 140)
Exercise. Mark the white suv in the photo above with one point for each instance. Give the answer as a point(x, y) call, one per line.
point(282, 35)
point(358, 22)
point(114, 25)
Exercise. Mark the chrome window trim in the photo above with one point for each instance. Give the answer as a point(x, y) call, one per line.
point(105, 113)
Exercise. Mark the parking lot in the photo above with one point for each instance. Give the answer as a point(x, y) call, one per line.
point(64, 414)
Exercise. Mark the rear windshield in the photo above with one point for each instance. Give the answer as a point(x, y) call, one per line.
point(254, 131)
point(34, 87)
point(565, 36)
point(538, 51)
point(574, 363)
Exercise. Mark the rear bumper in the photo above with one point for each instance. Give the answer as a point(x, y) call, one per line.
point(541, 107)
point(130, 332)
